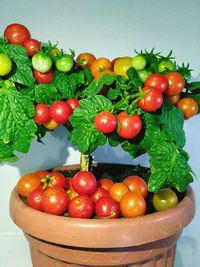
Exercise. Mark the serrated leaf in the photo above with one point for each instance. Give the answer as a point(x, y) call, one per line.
point(194, 86)
point(113, 93)
point(134, 150)
point(45, 93)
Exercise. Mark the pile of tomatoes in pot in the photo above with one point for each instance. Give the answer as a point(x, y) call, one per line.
point(83, 196)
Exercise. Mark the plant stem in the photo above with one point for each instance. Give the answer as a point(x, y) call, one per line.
point(85, 162)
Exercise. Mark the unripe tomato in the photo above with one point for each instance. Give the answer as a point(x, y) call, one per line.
point(41, 62)
point(122, 65)
point(139, 62)
point(5, 64)
point(64, 63)
point(165, 198)
point(51, 125)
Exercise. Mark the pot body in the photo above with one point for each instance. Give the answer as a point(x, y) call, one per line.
point(146, 241)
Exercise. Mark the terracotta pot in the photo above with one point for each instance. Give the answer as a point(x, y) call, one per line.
point(58, 241)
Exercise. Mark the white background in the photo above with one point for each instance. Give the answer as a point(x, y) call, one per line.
point(110, 29)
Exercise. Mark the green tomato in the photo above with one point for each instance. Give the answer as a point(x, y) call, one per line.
point(139, 62)
point(5, 64)
point(165, 66)
point(64, 63)
point(165, 198)
point(41, 62)
point(54, 53)
point(144, 74)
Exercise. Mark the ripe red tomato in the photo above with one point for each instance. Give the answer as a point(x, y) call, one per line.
point(105, 122)
point(31, 46)
point(27, 183)
point(42, 114)
point(42, 173)
point(105, 183)
point(152, 99)
point(107, 208)
point(136, 183)
point(158, 81)
point(84, 183)
point(16, 33)
point(129, 126)
point(99, 193)
point(60, 112)
point(132, 205)
point(35, 198)
point(41, 77)
point(55, 201)
point(73, 102)
point(176, 83)
point(189, 107)
point(81, 207)
point(99, 65)
point(85, 59)
point(55, 179)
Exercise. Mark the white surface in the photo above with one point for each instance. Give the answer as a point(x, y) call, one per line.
point(107, 28)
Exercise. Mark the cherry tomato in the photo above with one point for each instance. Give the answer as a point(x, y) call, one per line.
point(73, 102)
point(35, 198)
point(60, 112)
point(70, 191)
point(45, 77)
point(16, 33)
point(122, 65)
point(107, 208)
point(136, 183)
point(132, 205)
point(129, 126)
point(84, 183)
point(54, 179)
point(113, 61)
point(105, 183)
point(85, 59)
point(42, 173)
point(64, 63)
point(174, 99)
point(144, 74)
point(117, 191)
point(152, 99)
point(42, 114)
point(81, 207)
point(158, 81)
point(32, 46)
point(105, 122)
point(54, 53)
point(189, 107)
point(55, 201)
point(41, 62)
point(27, 183)
point(99, 193)
point(99, 65)
point(165, 65)
point(51, 125)
point(5, 64)
point(139, 62)
point(176, 83)
point(165, 198)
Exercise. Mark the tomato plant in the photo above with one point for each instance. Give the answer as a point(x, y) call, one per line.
point(152, 99)
point(105, 122)
point(60, 112)
point(165, 198)
point(129, 125)
point(5, 64)
point(188, 106)
point(42, 114)
point(41, 62)
point(84, 183)
point(107, 208)
point(32, 46)
point(64, 63)
point(176, 83)
point(136, 183)
point(27, 183)
point(41, 77)
point(16, 33)
point(158, 81)
point(81, 207)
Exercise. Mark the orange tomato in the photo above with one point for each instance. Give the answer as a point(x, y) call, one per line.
point(99, 65)
point(100, 74)
point(136, 183)
point(174, 99)
point(122, 65)
point(42, 173)
point(132, 205)
point(118, 190)
point(27, 183)
point(51, 125)
point(85, 59)
point(105, 183)
point(188, 106)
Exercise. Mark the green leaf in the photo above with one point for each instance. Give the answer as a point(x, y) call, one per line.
point(173, 120)
point(45, 93)
point(194, 86)
point(134, 150)
point(113, 93)
point(17, 129)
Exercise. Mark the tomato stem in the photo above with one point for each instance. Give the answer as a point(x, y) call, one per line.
point(85, 162)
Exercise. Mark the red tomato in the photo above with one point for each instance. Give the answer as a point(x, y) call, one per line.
point(176, 83)
point(129, 126)
point(55, 179)
point(132, 205)
point(42, 114)
point(188, 106)
point(32, 46)
point(136, 183)
point(27, 183)
point(84, 183)
point(85, 59)
point(152, 99)
point(73, 102)
point(105, 183)
point(107, 208)
point(158, 81)
point(99, 193)
point(81, 207)
point(42, 173)
point(55, 201)
point(16, 33)
point(60, 112)
point(41, 77)
point(35, 198)
point(105, 122)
